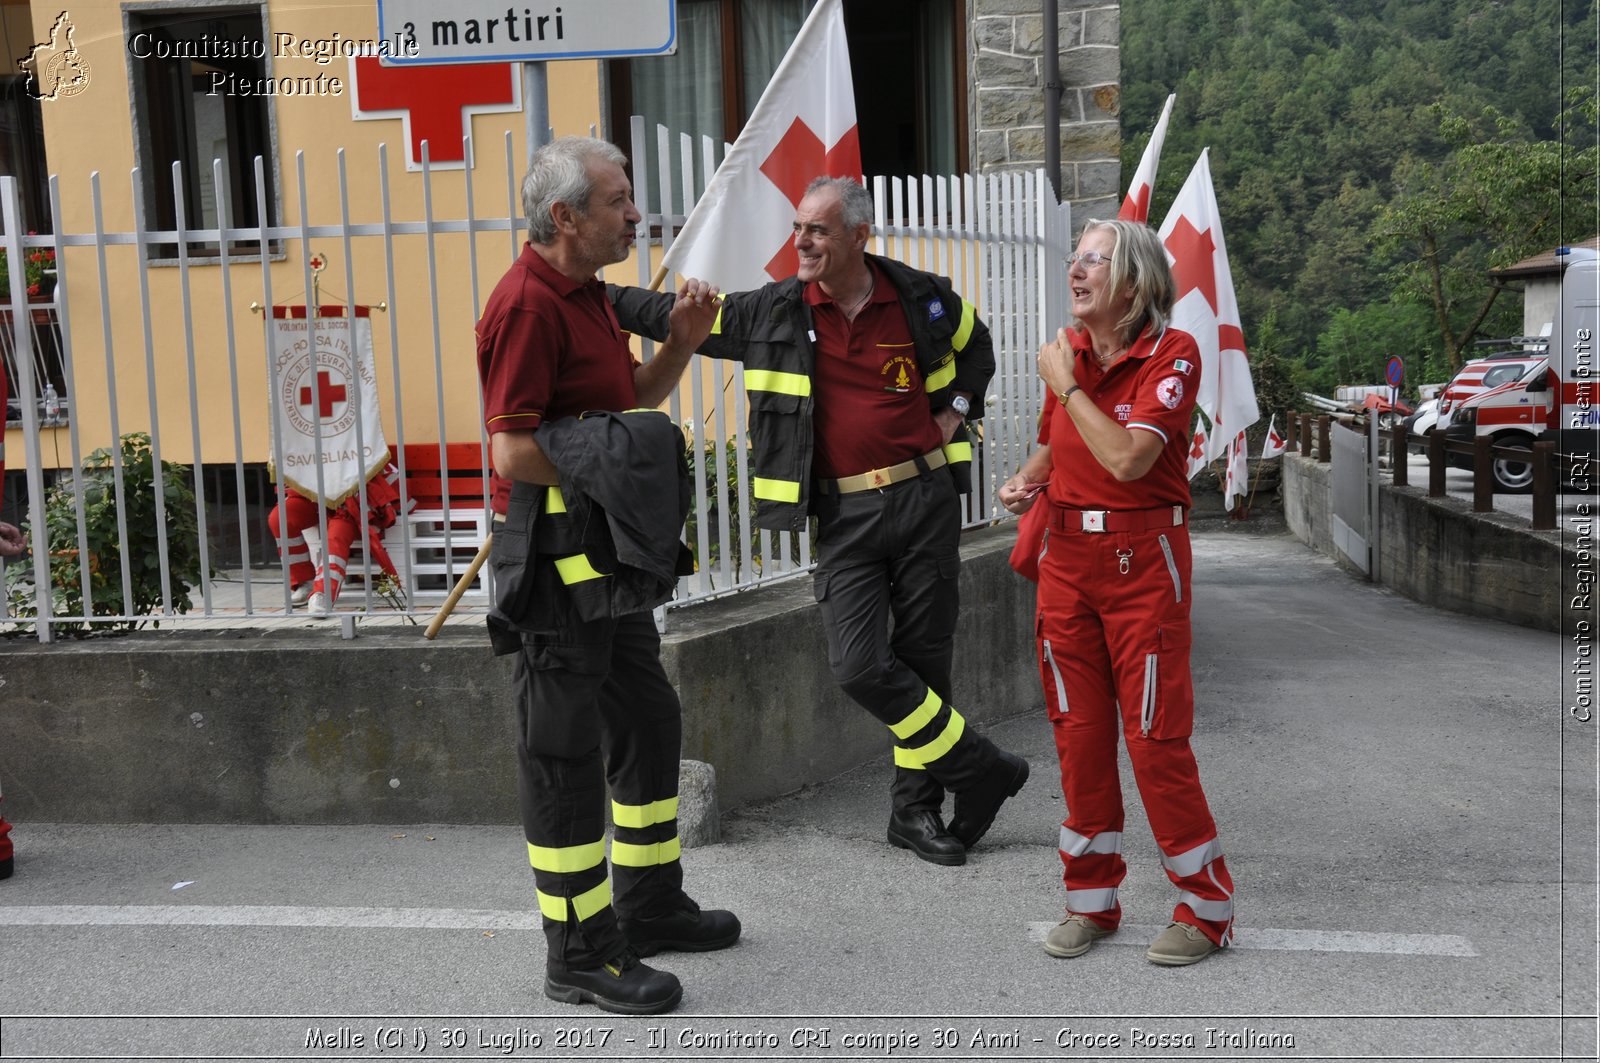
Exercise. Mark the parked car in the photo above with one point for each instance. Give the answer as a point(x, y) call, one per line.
point(1421, 422)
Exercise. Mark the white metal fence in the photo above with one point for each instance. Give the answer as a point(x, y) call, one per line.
point(999, 237)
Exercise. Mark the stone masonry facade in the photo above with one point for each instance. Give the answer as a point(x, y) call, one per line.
point(1008, 82)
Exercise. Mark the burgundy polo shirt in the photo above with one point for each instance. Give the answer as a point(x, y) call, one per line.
point(1152, 389)
point(548, 347)
point(870, 407)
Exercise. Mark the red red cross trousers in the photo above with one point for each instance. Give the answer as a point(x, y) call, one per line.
point(327, 391)
point(434, 102)
point(799, 158)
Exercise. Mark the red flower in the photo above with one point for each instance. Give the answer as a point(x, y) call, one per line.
point(33, 289)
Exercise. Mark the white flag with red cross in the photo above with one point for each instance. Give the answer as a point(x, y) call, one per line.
point(1207, 310)
point(1275, 443)
point(325, 409)
point(1136, 207)
point(1197, 445)
point(740, 234)
point(1237, 483)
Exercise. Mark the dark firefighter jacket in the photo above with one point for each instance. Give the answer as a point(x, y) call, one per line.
point(770, 331)
point(602, 544)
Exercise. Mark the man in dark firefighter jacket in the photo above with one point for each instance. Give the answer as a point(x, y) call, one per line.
point(593, 703)
point(861, 374)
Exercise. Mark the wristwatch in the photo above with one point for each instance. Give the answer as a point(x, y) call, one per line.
point(961, 404)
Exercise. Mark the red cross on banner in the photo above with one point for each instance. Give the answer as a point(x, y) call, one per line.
point(434, 103)
point(327, 390)
point(800, 157)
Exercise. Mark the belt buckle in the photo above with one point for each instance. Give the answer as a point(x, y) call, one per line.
point(878, 477)
point(1094, 520)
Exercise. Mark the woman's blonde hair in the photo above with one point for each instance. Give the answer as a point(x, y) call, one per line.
point(1139, 265)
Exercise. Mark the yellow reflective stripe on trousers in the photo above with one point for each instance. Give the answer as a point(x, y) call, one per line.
point(568, 859)
point(553, 502)
point(954, 452)
point(640, 816)
point(586, 904)
point(922, 756)
point(776, 490)
point(943, 376)
point(625, 854)
point(576, 569)
point(919, 716)
point(781, 383)
point(969, 318)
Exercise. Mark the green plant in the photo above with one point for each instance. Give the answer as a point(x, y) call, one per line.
point(34, 265)
point(95, 487)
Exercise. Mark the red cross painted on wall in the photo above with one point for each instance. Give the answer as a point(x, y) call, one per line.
point(435, 103)
point(327, 390)
point(799, 158)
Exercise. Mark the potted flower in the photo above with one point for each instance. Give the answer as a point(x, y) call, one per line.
point(38, 271)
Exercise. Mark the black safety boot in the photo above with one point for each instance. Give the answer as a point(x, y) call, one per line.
point(624, 985)
point(688, 929)
point(976, 807)
point(924, 833)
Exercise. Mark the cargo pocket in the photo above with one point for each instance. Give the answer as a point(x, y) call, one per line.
point(1055, 687)
point(565, 673)
point(1167, 703)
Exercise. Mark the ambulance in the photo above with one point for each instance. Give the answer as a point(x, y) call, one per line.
point(1555, 398)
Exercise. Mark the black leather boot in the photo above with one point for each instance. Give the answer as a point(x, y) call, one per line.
point(924, 833)
point(685, 930)
point(976, 807)
point(624, 985)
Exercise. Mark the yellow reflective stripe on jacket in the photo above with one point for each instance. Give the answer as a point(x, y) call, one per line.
point(576, 569)
point(775, 381)
point(924, 755)
point(716, 326)
point(640, 816)
point(587, 903)
point(568, 859)
point(776, 490)
point(969, 319)
point(553, 502)
point(919, 717)
point(943, 376)
point(957, 451)
point(626, 854)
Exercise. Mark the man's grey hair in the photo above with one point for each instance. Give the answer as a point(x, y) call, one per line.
point(856, 200)
point(559, 173)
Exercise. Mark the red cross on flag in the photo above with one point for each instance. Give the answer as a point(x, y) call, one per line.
point(1207, 310)
point(1136, 207)
point(739, 235)
point(1237, 483)
point(1275, 443)
point(325, 411)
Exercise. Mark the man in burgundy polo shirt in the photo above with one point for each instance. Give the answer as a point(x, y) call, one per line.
point(593, 703)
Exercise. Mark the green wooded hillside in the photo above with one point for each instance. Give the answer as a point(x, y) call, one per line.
point(1372, 158)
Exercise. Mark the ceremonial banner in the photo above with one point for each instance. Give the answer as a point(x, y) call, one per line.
point(740, 234)
point(1275, 444)
point(325, 415)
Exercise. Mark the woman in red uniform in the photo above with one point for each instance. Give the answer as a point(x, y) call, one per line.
point(1113, 613)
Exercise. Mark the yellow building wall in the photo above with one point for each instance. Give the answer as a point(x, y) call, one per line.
point(92, 132)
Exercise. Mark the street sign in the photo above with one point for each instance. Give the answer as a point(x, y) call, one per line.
point(419, 32)
point(1395, 372)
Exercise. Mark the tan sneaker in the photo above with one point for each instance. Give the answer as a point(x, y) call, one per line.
point(1180, 945)
point(1074, 936)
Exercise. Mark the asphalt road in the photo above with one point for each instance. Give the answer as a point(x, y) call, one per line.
point(1407, 808)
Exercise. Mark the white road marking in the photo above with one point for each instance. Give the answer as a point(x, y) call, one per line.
point(267, 915)
point(1300, 940)
point(292, 916)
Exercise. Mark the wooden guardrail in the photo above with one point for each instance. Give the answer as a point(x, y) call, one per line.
point(1550, 468)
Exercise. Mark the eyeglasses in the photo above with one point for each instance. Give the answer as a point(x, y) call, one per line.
point(1088, 259)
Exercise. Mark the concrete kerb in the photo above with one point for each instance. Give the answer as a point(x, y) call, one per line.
point(303, 727)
